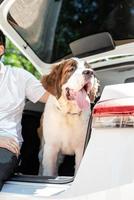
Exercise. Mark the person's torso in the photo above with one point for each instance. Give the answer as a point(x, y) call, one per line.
point(12, 100)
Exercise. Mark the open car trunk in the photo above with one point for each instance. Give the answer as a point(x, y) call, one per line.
point(102, 34)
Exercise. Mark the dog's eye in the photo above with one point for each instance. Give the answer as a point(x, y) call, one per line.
point(71, 69)
point(87, 65)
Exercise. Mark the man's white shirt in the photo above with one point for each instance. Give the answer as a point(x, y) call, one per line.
point(16, 84)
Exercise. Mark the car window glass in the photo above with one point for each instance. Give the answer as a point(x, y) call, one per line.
point(49, 26)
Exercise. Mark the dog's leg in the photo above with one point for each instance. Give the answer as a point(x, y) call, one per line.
point(49, 162)
point(40, 156)
point(78, 157)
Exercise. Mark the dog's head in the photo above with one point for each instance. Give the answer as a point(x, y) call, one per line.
point(74, 80)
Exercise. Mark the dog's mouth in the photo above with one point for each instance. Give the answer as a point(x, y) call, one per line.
point(80, 96)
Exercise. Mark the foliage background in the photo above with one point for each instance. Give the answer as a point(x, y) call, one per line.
point(15, 58)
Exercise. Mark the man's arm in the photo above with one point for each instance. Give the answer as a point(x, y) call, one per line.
point(44, 98)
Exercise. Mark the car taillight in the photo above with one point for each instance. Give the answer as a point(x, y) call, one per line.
point(114, 113)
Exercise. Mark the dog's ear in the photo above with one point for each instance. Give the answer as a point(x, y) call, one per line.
point(94, 93)
point(51, 82)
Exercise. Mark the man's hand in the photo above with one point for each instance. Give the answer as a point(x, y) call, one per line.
point(10, 144)
point(44, 98)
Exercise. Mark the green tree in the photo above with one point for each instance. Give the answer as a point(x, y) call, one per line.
point(15, 58)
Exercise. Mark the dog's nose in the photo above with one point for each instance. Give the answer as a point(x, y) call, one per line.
point(87, 72)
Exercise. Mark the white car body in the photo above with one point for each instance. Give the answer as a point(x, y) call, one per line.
point(107, 168)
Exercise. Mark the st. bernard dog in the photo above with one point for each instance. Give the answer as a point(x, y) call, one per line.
point(72, 86)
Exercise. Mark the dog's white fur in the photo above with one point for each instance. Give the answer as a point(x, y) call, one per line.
point(64, 123)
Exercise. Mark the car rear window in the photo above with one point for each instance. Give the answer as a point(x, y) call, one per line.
point(49, 26)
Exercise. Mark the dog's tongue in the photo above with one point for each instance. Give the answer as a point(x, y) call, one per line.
point(81, 99)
